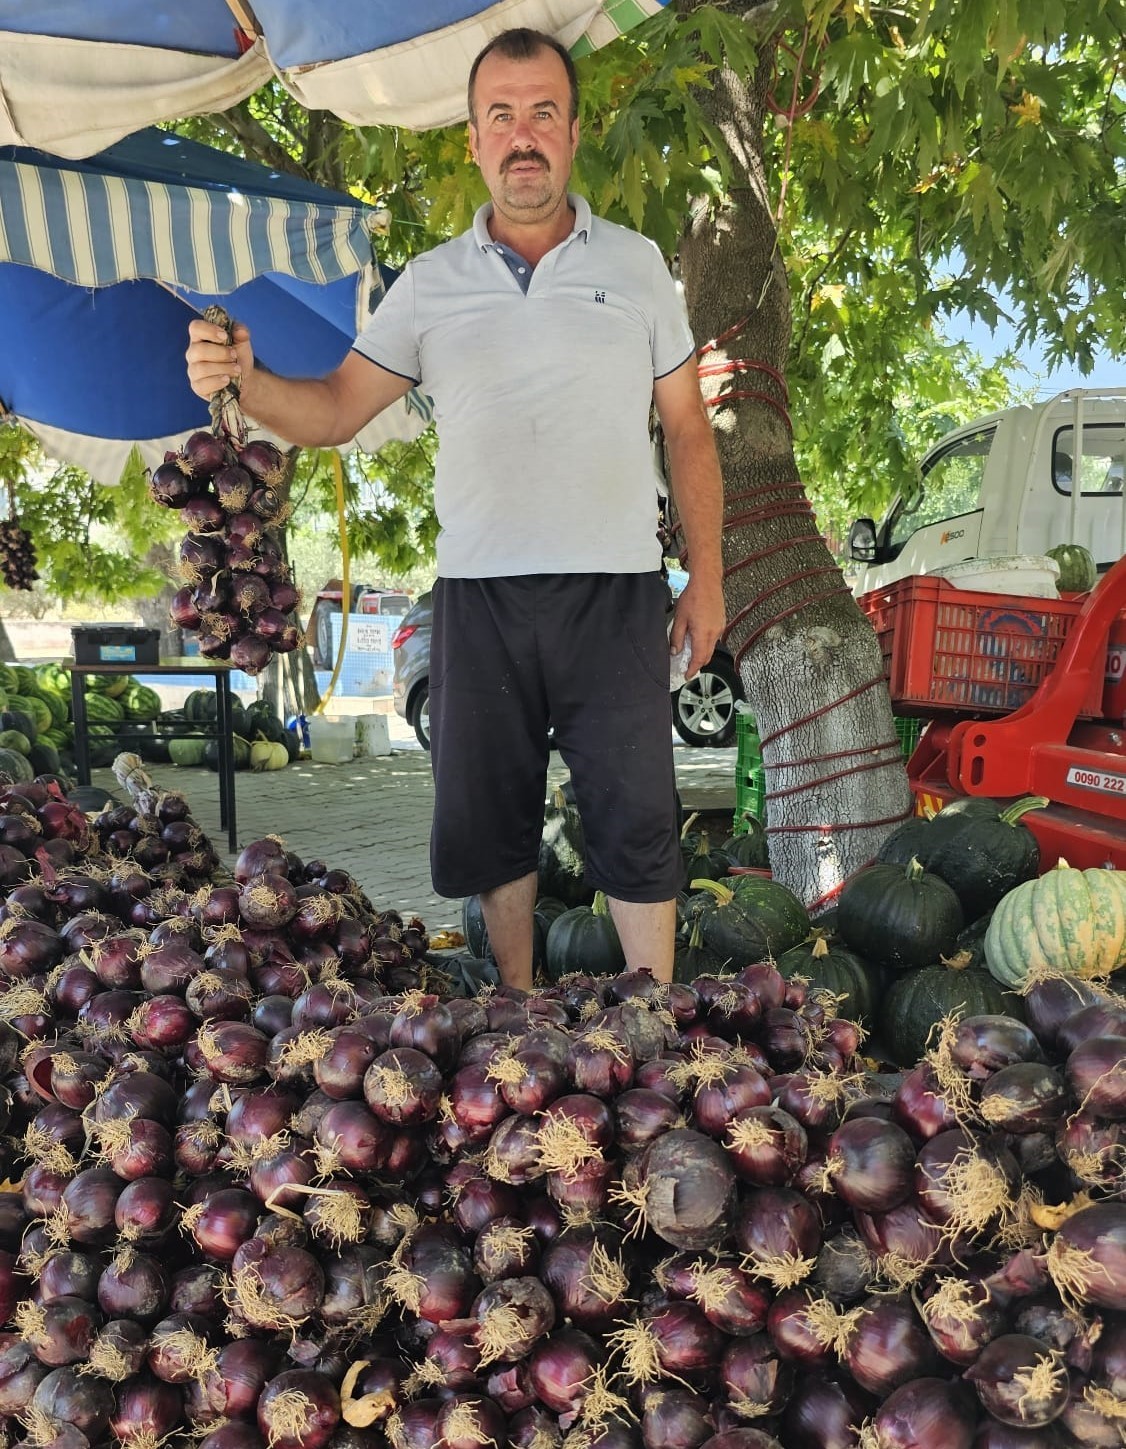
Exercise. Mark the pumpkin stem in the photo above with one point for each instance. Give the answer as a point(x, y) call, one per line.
point(600, 906)
point(820, 948)
point(688, 824)
point(1022, 807)
point(716, 888)
point(914, 869)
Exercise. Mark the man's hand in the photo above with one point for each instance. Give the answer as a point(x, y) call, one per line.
point(699, 614)
point(212, 361)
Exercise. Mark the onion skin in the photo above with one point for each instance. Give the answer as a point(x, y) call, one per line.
point(1096, 1074)
point(888, 1346)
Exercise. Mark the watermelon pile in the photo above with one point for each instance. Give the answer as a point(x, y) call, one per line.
point(37, 730)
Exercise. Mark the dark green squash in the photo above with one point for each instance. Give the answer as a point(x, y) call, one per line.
point(476, 933)
point(978, 806)
point(919, 1000)
point(749, 846)
point(562, 855)
point(473, 927)
point(240, 753)
point(693, 958)
point(584, 939)
point(899, 917)
point(984, 857)
point(701, 862)
point(833, 968)
point(913, 840)
point(750, 919)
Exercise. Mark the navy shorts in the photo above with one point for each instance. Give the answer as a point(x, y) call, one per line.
point(587, 656)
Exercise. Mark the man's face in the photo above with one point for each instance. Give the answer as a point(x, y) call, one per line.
point(523, 139)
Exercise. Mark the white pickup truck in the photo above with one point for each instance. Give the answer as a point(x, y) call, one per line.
point(1003, 486)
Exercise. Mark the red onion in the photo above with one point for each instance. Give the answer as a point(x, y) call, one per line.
point(66, 1397)
point(134, 1285)
point(1087, 1257)
point(513, 1315)
point(505, 1248)
point(919, 1106)
point(64, 1275)
point(233, 1051)
point(20, 1374)
point(961, 1317)
point(299, 1409)
point(87, 1205)
point(147, 1412)
point(560, 1369)
point(1101, 1018)
point(682, 1187)
point(348, 1136)
point(823, 1413)
point(432, 1276)
point(59, 1331)
point(223, 1221)
point(1026, 1097)
point(1020, 1381)
point(276, 1287)
point(757, 1379)
point(780, 1233)
point(1096, 1074)
point(925, 1414)
point(871, 1164)
point(887, 1346)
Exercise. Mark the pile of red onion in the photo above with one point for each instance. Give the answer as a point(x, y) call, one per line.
point(238, 593)
point(276, 1193)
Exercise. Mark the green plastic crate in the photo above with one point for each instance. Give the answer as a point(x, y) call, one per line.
point(748, 746)
point(907, 732)
point(750, 795)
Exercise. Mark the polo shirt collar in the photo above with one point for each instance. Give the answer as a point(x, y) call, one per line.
point(581, 227)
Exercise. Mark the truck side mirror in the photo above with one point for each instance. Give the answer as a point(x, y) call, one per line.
point(862, 540)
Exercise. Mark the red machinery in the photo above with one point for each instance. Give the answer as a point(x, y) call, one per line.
point(1025, 697)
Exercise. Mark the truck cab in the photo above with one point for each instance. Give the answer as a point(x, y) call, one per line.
point(1003, 486)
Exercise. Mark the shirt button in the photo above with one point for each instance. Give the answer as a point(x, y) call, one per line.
point(521, 270)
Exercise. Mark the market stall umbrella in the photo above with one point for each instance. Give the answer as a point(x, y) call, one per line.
point(103, 263)
point(76, 76)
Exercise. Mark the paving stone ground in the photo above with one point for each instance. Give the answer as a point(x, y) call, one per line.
point(372, 817)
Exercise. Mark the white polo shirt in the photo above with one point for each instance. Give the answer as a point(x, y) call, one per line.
point(541, 396)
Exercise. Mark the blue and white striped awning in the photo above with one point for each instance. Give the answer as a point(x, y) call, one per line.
point(98, 225)
point(104, 263)
point(77, 75)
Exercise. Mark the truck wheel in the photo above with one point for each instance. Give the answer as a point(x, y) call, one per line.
point(420, 716)
point(703, 710)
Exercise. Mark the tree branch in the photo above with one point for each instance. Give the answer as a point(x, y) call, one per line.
point(257, 142)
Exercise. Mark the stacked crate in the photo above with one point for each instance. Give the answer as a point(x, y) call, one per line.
point(750, 778)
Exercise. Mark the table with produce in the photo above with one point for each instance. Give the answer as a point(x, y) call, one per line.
point(273, 1183)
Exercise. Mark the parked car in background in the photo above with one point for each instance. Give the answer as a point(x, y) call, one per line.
point(365, 599)
point(703, 710)
point(410, 684)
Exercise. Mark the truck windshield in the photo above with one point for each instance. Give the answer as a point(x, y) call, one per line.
point(950, 486)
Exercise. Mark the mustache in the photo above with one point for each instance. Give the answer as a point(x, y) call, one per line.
point(518, 157)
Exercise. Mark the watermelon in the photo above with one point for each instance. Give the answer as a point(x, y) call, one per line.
point(14, 740)
point(140, 702)
point(1077, 568)
point(16, 767)
point(103, 709)
point(186, 752)
point(58, 705)
point(34, 709)
point(8, 681)
point(55, 678)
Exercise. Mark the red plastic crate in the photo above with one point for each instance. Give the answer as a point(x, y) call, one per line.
point(948, 649)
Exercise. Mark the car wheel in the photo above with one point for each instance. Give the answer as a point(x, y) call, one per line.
point(420, 716)
point(703, 710)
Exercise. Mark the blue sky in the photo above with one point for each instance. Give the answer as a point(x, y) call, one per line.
point(1108, 372)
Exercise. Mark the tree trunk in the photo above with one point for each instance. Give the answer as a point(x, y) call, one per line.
point(154, 609)
point(809, 660)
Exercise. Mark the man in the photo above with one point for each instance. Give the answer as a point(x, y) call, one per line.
point(544, 336)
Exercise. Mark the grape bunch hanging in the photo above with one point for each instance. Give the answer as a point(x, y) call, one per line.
point(238, 594)
point(17, 552)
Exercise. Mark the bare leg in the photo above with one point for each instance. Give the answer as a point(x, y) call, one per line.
point(648, 935)
point(508, 914)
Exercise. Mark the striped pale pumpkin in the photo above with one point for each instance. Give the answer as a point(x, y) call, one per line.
point(1066, 922)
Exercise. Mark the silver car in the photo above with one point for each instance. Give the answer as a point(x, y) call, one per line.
point(410, 684)
point(703, 710)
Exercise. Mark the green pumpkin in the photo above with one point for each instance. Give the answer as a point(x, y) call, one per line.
point(693, 958)
point(562, 855)
point(1078, 570)
point(186, 752)
point(983, 857)
point(700, 860)
point(843, 973)
point(476, 933)
point(918, 1000)
point(899, 917)
point(201, 706)
point(750, 919)
point(1065, 923)
point(748, 846)
point(584, 939)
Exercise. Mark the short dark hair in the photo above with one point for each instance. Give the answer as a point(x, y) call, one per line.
point(522, 43)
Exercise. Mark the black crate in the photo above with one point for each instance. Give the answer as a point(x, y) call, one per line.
point(115, 644)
